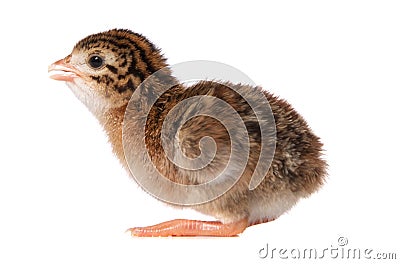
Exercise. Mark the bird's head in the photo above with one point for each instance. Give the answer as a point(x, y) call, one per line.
point(104, 69)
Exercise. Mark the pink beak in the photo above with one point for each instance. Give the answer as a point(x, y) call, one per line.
point(62, 70)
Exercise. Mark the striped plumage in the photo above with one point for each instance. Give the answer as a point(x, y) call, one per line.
point(105, 69)
point(137, 57)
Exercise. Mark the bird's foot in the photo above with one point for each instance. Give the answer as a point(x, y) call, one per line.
point(184, 227)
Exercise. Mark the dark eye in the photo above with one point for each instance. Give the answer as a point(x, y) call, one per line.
point(95, 61)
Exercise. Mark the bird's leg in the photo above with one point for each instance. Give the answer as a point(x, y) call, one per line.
point(184, 227)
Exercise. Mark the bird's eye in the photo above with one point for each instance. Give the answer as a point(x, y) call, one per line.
point(95, 61)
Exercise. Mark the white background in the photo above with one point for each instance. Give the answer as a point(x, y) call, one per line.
point(64, 198)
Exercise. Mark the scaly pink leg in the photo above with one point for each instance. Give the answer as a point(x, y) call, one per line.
point(183, 227)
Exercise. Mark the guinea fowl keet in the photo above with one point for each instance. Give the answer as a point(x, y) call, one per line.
point(104, 70)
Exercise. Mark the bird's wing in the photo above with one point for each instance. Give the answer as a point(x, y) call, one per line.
point(210, 139)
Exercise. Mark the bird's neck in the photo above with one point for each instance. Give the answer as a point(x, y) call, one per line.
point(112, 122)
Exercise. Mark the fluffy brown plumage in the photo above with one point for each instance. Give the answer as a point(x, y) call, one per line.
point(105, 69)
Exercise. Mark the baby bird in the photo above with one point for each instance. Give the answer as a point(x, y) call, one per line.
point(111, 73)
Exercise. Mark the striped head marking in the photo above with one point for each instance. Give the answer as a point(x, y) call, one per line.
point(104, 69)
